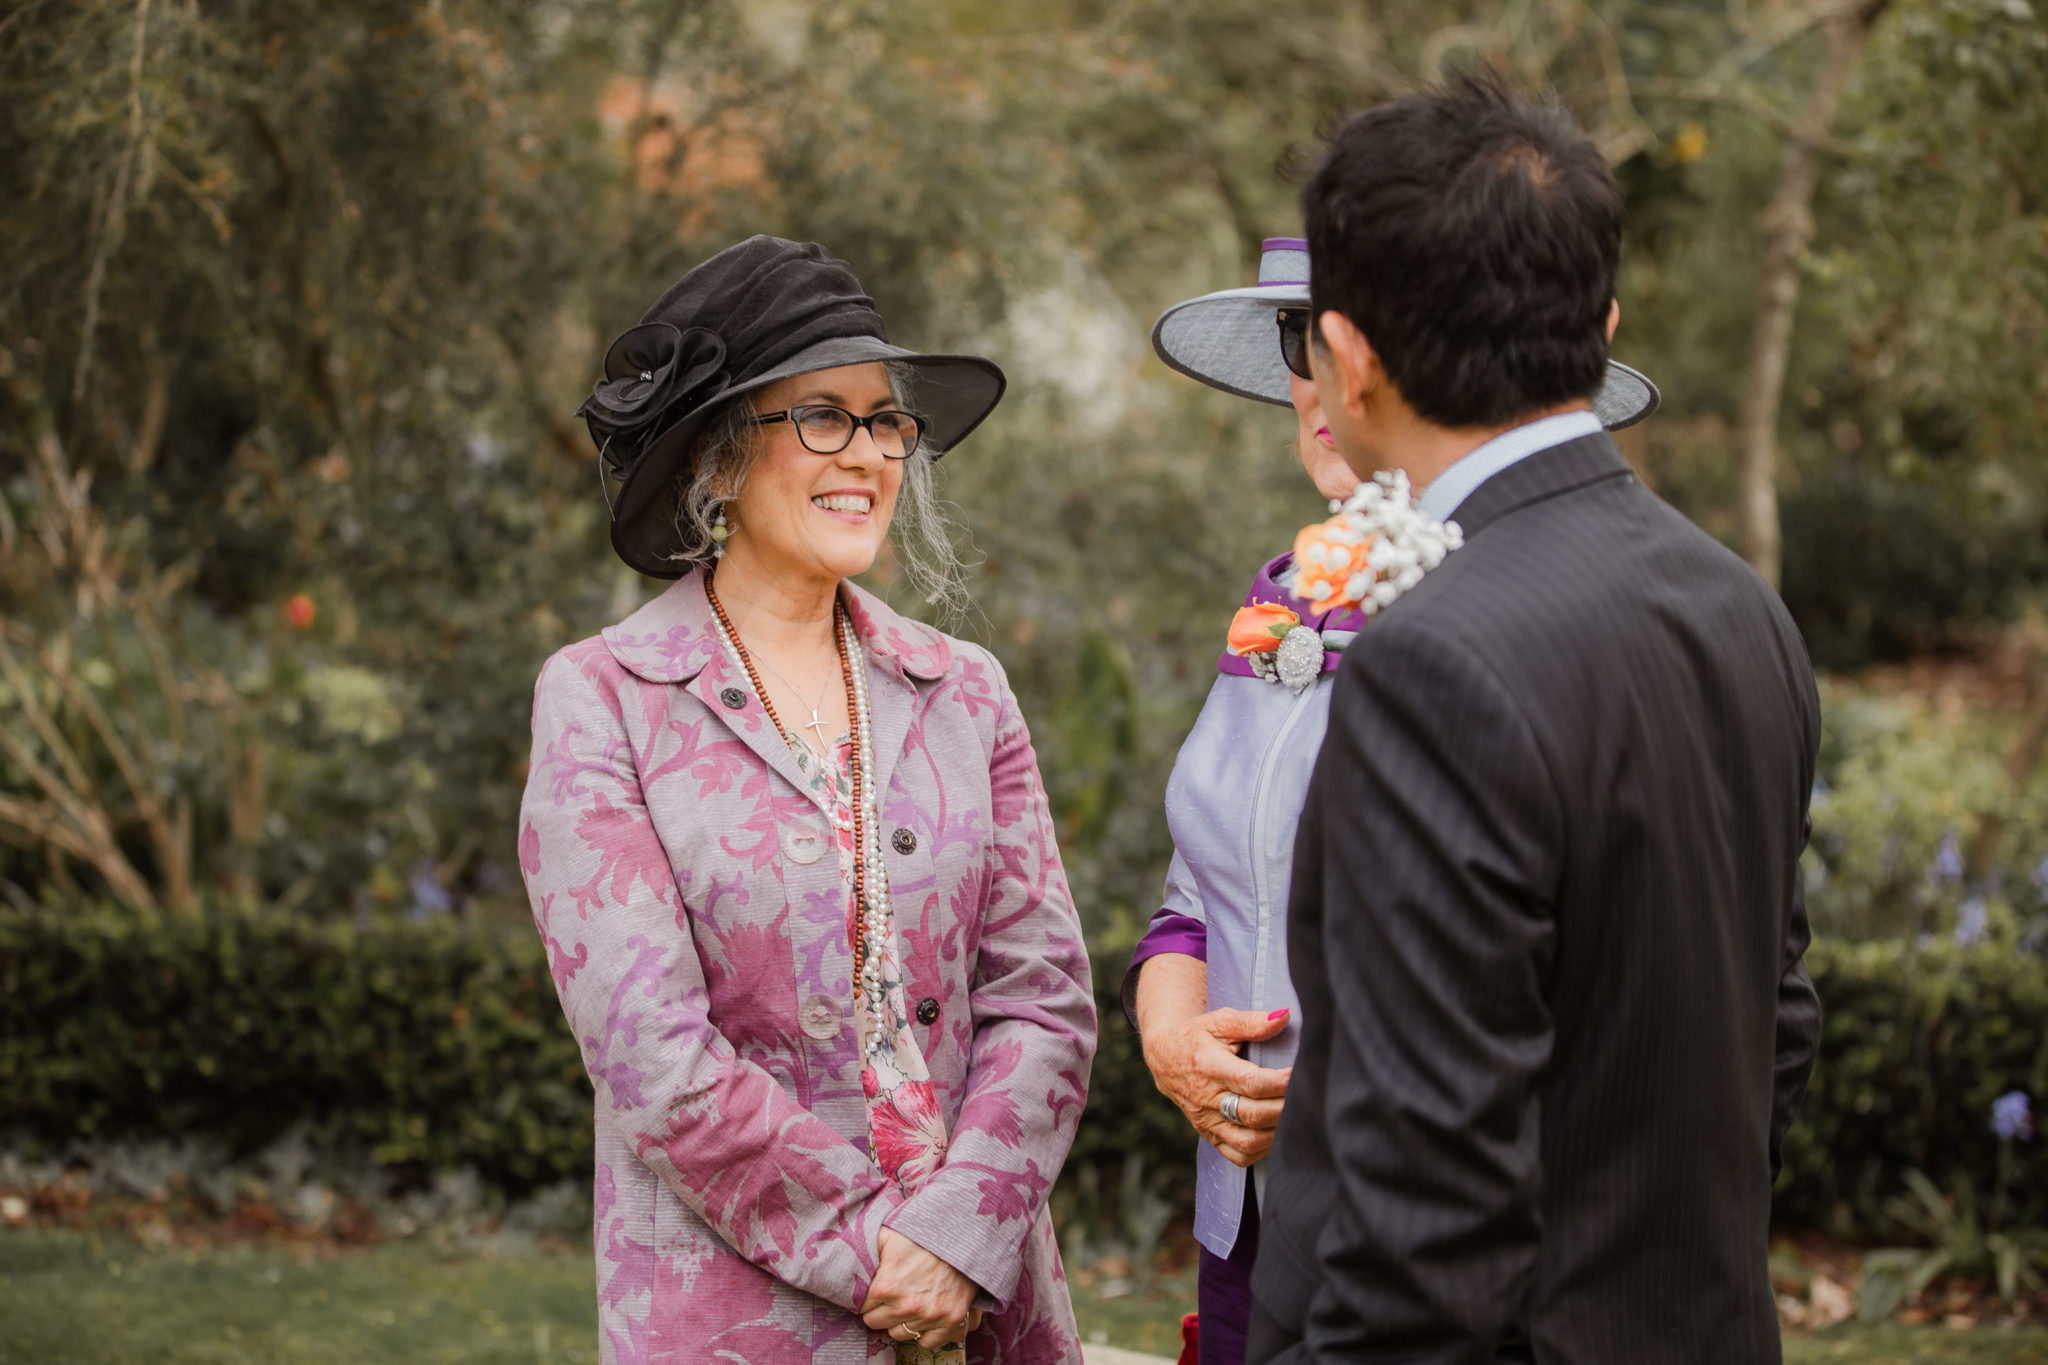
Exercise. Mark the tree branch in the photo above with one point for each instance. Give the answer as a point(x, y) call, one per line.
point(116, 218)
point(1787, 231)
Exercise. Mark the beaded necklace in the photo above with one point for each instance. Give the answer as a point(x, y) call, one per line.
point(870, 877)
point(871, 900)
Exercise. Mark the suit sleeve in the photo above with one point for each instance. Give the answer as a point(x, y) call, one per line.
point(1798, 1022)
point(776, 1182)
point(1441, 837)
point(1033, 1005)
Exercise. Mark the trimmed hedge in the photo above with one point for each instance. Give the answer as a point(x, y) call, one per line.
point(433, 1046)
point(1916, 1042)
point(425, 1045)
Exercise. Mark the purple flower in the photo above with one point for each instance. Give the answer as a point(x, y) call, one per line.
point(429, 897)
point(1947, 867)
point(2012, 1116)
point(1970, 917)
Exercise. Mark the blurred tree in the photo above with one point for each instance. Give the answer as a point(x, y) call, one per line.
point(305, 294)
point(1787, 225)
point(260, 266)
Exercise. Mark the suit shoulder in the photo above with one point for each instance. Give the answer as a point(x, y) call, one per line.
point(1577, 557)
point(1422, 652)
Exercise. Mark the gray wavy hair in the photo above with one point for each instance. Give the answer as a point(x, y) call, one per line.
point(723, 455)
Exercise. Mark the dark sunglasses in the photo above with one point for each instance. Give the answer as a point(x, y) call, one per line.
point(826, 430)
point(1294, 340)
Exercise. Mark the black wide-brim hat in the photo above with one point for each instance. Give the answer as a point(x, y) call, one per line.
point(761, 311)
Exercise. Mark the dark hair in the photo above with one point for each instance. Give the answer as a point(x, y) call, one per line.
point(1472, 235)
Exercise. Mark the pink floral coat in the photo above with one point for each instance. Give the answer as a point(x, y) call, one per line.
point(696, 928)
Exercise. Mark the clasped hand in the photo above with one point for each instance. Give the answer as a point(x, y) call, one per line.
point(917, 1297)
point(1195, 1064)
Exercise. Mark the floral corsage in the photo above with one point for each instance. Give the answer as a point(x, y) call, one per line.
point(1377, 546)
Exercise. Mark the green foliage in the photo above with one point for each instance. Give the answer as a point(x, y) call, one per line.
point(1958, 1242)
point(1905, 798)
point(1916, 1043)
point(1916, 510)
point(427, 1047)
point(422, 1046)
point(310, 290)
point(1883, 564)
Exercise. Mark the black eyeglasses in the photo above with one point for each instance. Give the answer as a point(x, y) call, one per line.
point(1294, 340)
point(826, 430)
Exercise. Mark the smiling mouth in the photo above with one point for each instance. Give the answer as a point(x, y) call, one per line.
point(856, 504)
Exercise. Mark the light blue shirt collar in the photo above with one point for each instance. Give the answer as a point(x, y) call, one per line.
point(1448, 491)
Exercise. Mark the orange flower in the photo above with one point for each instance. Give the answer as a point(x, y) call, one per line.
point(1328, 555)
point(299, 610)
point(1260, 627)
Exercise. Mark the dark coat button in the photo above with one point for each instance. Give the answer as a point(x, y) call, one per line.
point(734, 699)
point(904, 840)
point(927, 1011)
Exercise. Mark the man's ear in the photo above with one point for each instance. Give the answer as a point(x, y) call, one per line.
point(1613, 317)
point(1354, 365)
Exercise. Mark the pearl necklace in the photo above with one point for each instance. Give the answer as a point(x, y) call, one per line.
point(870, 874)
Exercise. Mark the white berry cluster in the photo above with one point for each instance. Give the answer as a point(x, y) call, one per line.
point(1405, 543)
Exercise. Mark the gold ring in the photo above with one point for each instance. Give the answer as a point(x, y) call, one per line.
point(915, 1335)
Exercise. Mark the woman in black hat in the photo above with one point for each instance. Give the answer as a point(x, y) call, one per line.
point(793, 863)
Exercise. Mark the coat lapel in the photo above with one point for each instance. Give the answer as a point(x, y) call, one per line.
point(674, 639)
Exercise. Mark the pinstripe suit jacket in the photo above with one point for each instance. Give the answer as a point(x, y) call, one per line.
point(1547, 928)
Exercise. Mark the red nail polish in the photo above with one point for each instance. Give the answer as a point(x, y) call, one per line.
point(1276, 1014)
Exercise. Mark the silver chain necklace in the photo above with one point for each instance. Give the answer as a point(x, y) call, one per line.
point(815, 722)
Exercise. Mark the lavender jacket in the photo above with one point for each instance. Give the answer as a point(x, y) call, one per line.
point(695, 925)
point(1232, 804)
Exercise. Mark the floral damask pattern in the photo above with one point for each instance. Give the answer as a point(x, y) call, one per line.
point(671, 846)
point(906, 1131)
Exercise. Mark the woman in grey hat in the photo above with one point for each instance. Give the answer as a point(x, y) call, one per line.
point(1208, 987)
point(793, 864)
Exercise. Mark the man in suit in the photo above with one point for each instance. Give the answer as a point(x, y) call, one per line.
point(1547, 923)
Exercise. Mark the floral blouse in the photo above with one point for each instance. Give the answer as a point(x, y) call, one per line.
point(905, 1129)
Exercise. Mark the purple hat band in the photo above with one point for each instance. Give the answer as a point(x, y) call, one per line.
point(1283, 260)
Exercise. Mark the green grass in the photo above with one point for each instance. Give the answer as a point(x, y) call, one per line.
point(1891, 1345)
point(1145, 1317)
point(1148, 1319)
point(70, 1298)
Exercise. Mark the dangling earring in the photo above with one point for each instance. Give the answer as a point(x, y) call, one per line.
point(719, 532)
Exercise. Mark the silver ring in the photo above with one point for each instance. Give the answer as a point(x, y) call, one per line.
point(915, 1335)
point(1228, 1105)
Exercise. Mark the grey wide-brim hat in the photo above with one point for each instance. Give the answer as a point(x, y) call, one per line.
point(758, 312)
point(1229, 341)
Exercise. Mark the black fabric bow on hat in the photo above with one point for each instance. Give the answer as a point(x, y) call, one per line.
point(650, 371)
